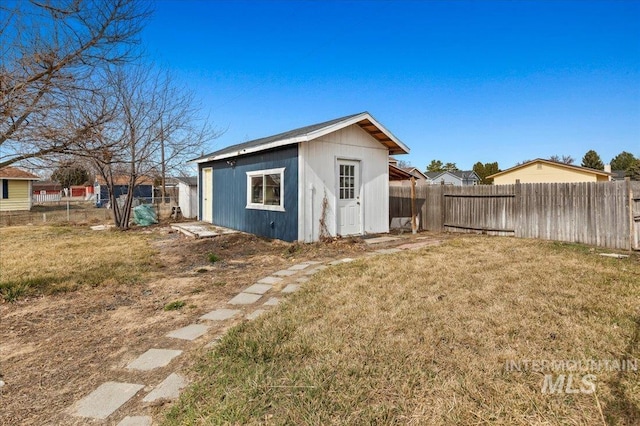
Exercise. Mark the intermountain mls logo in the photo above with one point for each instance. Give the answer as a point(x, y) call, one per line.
point(571, 376)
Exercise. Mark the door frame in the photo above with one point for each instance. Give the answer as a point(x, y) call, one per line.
point(336, 175)
point(205, 171)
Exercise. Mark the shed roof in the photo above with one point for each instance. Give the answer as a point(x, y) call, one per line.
point(308, 133)
point(396, 173)
point(18, 174)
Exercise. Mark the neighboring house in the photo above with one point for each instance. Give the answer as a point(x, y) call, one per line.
point(15, 189)
point(326, 179)
point(188, 196)
point(455, 177)
point(143, 190)
point(545, 171)
point(401, 176)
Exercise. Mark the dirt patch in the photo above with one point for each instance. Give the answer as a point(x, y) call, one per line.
point(58, 348)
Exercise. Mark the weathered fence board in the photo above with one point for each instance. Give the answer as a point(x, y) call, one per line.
point(605, 214)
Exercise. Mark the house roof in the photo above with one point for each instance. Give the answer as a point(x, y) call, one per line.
point(414, 171)
point(552, 163)
point(618, 174)
point(460, 174)
point(124, 180)
point(308, 133)
point(16, 174)
point(396, 173)
point(187, 180)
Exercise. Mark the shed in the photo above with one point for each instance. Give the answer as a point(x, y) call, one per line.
point(142, 191)
point(15, 189)
point(326, 179)
point(188, 196)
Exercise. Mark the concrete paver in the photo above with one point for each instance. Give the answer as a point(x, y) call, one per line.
point(316, 269)
point(136, 421)
point(258, 288)
point(245, 299)
point(285, 273)
point(190, 332)
point(169, 389)
point(299, 267)
point(106, 399)
point(302, 279)
point(220, 314)
point(291, 288)
point(270, 280)
point(273, 301)
point(379, 240)
point(153, 358)
point(255, 314)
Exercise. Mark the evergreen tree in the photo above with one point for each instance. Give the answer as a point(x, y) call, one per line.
point(622, 161)
point(435, 166)
point(592, 160)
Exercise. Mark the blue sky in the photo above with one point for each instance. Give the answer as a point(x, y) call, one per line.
point(457, 81)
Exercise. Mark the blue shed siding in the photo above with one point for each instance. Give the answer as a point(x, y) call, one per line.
point(230, 194)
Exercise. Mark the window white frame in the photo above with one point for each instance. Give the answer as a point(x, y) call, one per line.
point(262, 206)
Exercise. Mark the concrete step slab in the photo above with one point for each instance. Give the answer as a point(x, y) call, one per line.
point(245, 299)
point(153, 358)
point(379, 240)
point(285, 273)
point(291, 288)
point(106, 399)
point(220, 314)
point(258, 289)
point(299, 267)
point(273, 301)
point(190, 332)
point(270, 280)
point(169, 389)
point(255, 314)
point(136, 421)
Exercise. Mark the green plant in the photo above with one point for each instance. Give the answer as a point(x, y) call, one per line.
point(212, 257)
point(174, 306)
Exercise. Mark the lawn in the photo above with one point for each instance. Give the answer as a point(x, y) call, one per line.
point(38, 260)
point(436, 336)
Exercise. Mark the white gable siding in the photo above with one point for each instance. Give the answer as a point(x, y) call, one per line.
point(317, 176)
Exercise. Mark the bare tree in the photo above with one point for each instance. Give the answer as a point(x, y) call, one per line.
point(153, 126)
point(52, 53)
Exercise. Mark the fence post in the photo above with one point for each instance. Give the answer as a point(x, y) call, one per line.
point(414, 225)
point(517, 207)
point(630, 202)
point(443, 214)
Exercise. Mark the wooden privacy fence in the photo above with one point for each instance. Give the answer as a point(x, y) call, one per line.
point(605, 214)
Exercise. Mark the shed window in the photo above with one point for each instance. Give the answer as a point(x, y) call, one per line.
point(265, 189)
point(5, 189)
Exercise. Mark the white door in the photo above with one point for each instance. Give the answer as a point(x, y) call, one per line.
point(207, 195)
point(348, 197)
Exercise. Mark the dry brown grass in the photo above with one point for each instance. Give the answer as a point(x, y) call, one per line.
point(423, 338)
point(49, 259)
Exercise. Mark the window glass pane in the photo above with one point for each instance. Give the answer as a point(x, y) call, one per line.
point(272, 190)
point(256, 189)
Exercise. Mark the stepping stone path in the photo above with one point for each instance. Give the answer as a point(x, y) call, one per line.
point(153, 358)
point(169, 389)
point(220, 314)
point(106, 399)
point(110, 396)
point(245, 299)
point(190, 332)
point(255, 314)
point(270, 280)
point(258, 288)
